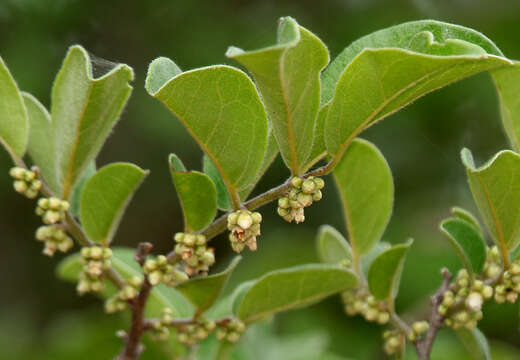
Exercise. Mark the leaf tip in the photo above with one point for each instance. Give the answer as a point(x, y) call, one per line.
point(160, 71)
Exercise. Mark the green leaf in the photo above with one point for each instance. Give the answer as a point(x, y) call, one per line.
point(159, 72)
point(507, 82)
point(123, 261)
point(332, 246)
point(368, 258)
point(204, 291)
point(319, 151)
point(366, 188)
point(197, 194)
point(14, 126)
point(385, 272)
point(424, 36)
point(496, 190)
point(476, 343)
point(465, 215)
point(223, 198)
point(84, 111)
point(41, 140)
point(228, 118)
point(228, 305)
point(75, 198)
point(379, 81)
point(467, 241)
point(294, 287)
point(105, 198)
point(288, 76)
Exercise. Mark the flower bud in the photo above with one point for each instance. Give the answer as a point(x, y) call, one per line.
point(308, 186)
point(20, 186)
point(474, 301)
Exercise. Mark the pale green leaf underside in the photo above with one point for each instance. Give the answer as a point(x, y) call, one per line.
point(203, 292)
point(197, 194)
point(385, 272)
point(379, 82)
point(291, 288)
point(496, 190)
point(14, 125)
point(366, 189)
point(105, 198)
point(475, 342)
point(220, 107)
point(507, 82)
point(223, 198)
point(288, 76)
point(332, 246)
point(467, 241)
point(84, 110)
point(424, 36)
point(123, 261)
point(41, 144)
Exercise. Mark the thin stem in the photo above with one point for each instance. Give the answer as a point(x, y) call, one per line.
point(219, 225)
point(133, 347)
point(424, 345)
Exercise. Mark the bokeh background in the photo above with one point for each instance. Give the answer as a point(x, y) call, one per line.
point(42, 318)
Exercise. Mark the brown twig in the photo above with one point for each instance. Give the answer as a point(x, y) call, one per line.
point(424, 345)
point(133, 346)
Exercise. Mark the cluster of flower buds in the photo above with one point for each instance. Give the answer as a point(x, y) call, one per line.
point(119, 301)
point(303, 193)
point(193, 333)
point(360, 302)
point(394, 342)
point(52, 210)
point(159, 270)
point(509, 286)
point(419, 328)
point(231, 331)
point(26, 182)
point(245, 227)
point(54, 239)
point(194, 251)
point(160, 331)
point(493, 265)
point(95, 260)
point(462, 302)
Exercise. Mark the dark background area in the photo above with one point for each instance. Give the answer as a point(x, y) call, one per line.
point(42, 318)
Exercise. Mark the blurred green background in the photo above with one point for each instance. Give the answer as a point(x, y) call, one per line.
point(42, 318)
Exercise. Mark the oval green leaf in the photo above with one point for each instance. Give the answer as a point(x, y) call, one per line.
point(475, 342)
point(366, 189)
point(385, 272)
point(496, 190)
point(467, 216)
point(84, 110)
point(41, 140)
point(467, 241)
point(197, 194)
point(291, 288)
point(123, 261)
point(204, 291)
point(507, 83)
point(228, 119)
point(14, 125)
point(105, 198)
point(223, 198)
point(288, 76)
point(332, 246)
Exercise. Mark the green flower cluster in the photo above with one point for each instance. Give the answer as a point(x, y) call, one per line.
point(462, 303)
point(419, 328)
point(508, 287)
point(95, 260)
point(159, 270)
point(231, 331)
point(119, 301)
point(194, 251)
point(244, 227)
point(193, 333)
point(160, 331)
point(303, 193)
point(54, 239)
point(361, 302)
point(26, 182)
point(394, 342)
point(52, 210)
